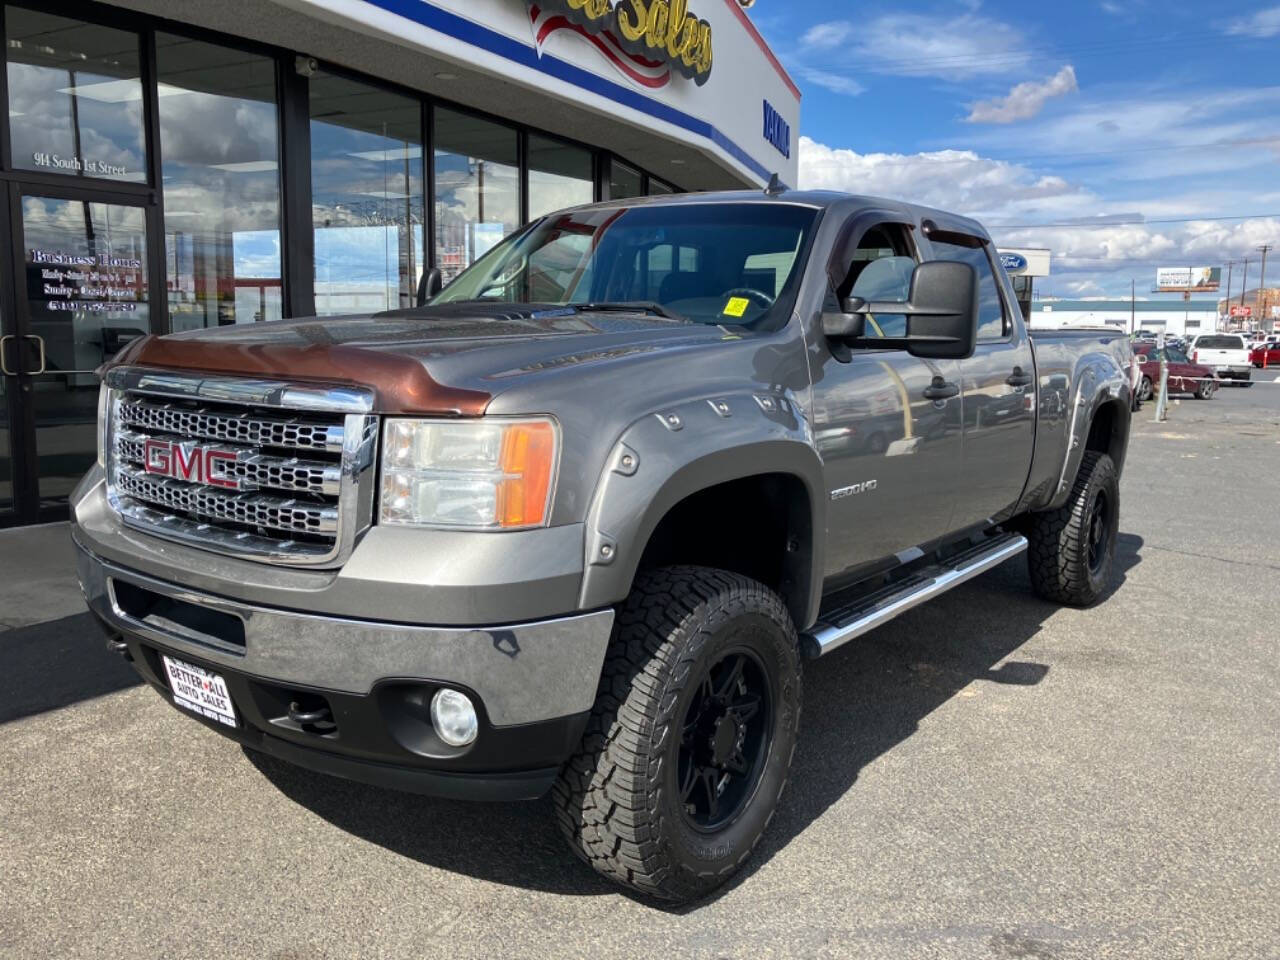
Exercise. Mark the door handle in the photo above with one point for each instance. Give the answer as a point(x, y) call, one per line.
point(4, 356)
point(1019, 379)
point(941, 390)
point(43, 356)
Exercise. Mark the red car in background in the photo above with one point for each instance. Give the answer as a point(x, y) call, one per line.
point(1184, 376)
point(1266, 354)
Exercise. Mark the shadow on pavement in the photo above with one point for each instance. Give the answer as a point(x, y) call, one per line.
point(859, 703)
point(55, 664)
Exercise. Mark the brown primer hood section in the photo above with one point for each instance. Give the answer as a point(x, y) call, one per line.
point(400, 384)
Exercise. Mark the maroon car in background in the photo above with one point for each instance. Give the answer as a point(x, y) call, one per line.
point(1184, 376)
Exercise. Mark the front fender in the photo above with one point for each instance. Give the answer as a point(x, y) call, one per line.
point(673, 453)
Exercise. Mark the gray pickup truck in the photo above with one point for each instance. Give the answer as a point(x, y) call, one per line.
point(573, 525)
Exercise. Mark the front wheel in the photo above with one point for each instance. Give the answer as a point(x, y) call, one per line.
point(1073, 549)
point(1205, 389)
point(1145, 390)
point(689, 744)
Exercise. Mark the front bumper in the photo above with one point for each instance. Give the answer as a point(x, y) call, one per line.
point(533, 683)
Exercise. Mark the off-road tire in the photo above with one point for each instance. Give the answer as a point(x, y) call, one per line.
point(1059, 554)
point(1146, 390)
point(616, 798)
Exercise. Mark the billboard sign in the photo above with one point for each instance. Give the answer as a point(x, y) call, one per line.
point(1239, 311)
point(1188, 279)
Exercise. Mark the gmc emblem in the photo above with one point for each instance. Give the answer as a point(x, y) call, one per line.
point(190, 462)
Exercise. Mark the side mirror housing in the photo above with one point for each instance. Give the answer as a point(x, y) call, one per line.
point(941, 312)
point(942, 319)
point(432, 282)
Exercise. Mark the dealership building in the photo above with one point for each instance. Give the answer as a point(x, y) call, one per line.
point(1174, 318)
point(171, 165)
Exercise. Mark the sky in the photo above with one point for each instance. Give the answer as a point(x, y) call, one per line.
point(1124, 135)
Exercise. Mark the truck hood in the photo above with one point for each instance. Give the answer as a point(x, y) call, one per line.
point(449, 360)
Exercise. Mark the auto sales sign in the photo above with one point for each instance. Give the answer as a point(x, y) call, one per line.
point(644, 39)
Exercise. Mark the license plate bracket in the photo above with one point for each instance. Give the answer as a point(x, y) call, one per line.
point(201, 691)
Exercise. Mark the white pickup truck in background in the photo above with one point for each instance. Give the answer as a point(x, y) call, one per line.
point(1226, 353)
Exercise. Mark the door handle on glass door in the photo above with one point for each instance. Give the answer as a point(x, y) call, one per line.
point(941, 390)
point(4, 356)
point(43, 356)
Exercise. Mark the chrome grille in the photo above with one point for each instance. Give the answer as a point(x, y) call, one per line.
point(279, 472)
point(234, 427)
point(250, 470)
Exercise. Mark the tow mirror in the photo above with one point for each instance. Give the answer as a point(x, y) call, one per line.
point(432, 283)
point(941, 313)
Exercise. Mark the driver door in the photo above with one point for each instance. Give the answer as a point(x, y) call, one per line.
point(891, 454)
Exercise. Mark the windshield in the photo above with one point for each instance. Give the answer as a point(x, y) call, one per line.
point(729, 264)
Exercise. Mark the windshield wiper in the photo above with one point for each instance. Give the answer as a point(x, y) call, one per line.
point(631, 306)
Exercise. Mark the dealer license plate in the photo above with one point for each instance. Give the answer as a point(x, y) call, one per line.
point(200, 691)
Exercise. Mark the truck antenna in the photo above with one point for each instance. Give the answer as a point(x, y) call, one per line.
point(775, 187)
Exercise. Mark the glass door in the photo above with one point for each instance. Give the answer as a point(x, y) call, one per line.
point(82, 293)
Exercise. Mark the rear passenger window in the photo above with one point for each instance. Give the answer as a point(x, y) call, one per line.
point(991, 321)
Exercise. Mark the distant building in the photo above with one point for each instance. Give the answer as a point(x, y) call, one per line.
point(1263, 305)
point(1175, 318)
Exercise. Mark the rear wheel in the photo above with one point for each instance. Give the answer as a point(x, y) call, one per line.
point(689, 744)
point(1073, 548)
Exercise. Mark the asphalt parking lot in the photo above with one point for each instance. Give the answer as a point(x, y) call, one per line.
point(989, 776)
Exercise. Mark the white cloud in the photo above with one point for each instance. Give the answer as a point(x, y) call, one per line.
point(1090, 258)
point(951, 47)
point(832, 81)
point(1024, 101)
point(959, 180)
point(1263, 23)
point(825, 36)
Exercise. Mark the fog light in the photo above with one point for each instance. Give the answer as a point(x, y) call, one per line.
point(454, 718)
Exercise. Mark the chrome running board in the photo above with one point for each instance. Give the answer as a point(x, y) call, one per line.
point(837, 627)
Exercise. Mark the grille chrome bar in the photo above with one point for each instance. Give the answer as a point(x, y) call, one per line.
point(248, 509)
point(250, 470)
point(230, 427)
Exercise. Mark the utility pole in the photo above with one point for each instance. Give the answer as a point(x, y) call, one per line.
point(1226, 303)
point(1244, 285)
point(1262, 286)
point(1133, 306)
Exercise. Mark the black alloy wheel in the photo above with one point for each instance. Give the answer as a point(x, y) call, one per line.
point(1099, 526)
point(724, 740)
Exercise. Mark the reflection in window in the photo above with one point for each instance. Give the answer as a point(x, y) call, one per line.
point(658, 188)
point(990, 307)
point(218, 145)
point(366, 196)
point(560, 176)
point(477, 199)
point(75, 97)
point(624, 181)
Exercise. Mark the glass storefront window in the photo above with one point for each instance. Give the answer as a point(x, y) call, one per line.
point(219, 150)
point(366, 196)
point(560, 176)
point(624, 182)
point(477, 199)
point(75, 97)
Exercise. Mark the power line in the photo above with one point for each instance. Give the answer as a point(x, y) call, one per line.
point(1089, 225)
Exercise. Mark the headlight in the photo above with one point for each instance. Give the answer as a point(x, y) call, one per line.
point(490, 473)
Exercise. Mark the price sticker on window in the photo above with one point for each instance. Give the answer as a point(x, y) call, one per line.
point(736, 307)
